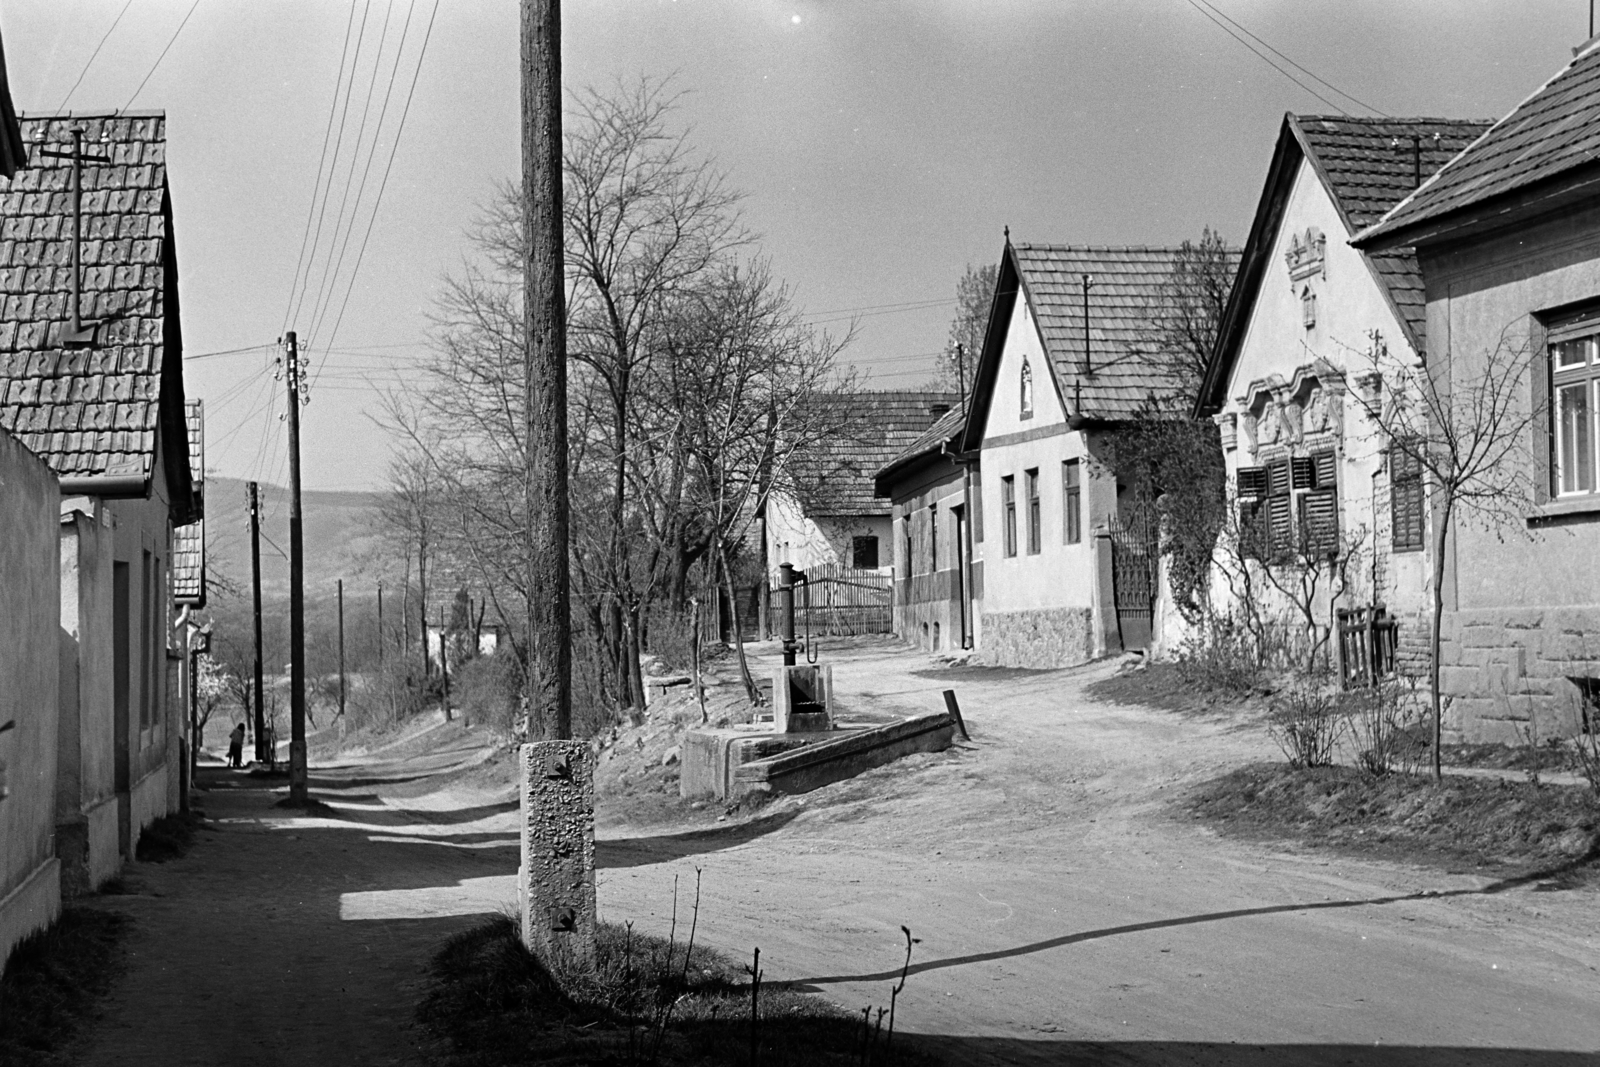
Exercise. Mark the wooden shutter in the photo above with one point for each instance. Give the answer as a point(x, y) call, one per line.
point(1302, 473)
point(1325, 471)
point(1278, 478)
point(1251, 532)
point(1280, 526)
point(1319, 522)
point(1251, 482)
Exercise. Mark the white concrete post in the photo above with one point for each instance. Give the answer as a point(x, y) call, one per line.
point(555, 881)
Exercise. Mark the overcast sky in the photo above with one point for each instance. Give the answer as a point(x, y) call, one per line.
point(883, 144)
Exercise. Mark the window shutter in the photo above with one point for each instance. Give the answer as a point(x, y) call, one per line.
point(1544, 427)
point(1406, 517)
point(1319, 522)
point(1302, 473)
point(1280, 525)
point(1251, 482)
point(1278, 479)
point(1251, 540)
point(1325, 474)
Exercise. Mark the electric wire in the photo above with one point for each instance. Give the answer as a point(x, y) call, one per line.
point(384, 184)
point(327, 135)
point(1310, 74)
point(329, 280)
point(338, 144)
point(1225, 29)
point(355, 212)
point(92, 55)
point(163, 55)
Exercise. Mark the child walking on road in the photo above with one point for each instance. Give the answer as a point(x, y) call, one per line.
point(236, 747)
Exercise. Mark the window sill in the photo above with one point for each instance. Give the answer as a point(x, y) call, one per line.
point(1554, 509)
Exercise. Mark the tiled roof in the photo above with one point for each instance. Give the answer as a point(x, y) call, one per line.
point(1551, 132)
point(95, 410)
point(877, 426)
point(931, 441)
point(1370, 165)
point(1126, 288)
point(189, 540)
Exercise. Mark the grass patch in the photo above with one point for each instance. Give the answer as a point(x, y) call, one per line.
point(52, 982)
point(490, 1001)
point(168, 838)
point(1459, 823)
point(1169, 686)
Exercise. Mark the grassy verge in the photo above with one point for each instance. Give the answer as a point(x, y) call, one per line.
point(490, 1002)
point(1169, 686)
point(168, 838)
point(1461, 823)
point(51, 983)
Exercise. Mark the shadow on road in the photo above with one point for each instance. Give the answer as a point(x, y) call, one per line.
point(664, 848)
point(986, 1050)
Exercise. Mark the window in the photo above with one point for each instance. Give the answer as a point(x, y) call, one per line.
point(1072, 501)
point(977, 511)
point(1008, 509)
point(1574, 381)
point(147, 579)
point(905, 525)
point(933, 538)
point(864, 553)
point(1289, 499)
point(1406, 525)
point(1033, 511)
point(1027, 389)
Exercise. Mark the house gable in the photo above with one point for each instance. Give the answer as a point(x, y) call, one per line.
point(1023, 348)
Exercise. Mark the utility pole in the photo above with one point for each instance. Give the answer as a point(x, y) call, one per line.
point(961, 372)
point(444, 661)
point(253, 495)
point(341, 654)
point(1088, 364)
point(380, 626)
point(297, 593)
point(544, 319)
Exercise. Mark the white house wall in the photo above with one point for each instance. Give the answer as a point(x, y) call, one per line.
point(1350, 307)
point(823, 540)
point(1038, 609)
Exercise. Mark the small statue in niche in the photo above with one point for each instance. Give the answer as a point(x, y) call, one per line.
point(1268, 423)
point(1316, 410)
point(1289, 411)
point(1248, 424)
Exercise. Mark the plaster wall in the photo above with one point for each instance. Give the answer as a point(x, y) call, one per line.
point(1350, 305)
point(822, 540)
point(1037, 607)
point(30, 894)
point(928, 603)
point(1522, 605)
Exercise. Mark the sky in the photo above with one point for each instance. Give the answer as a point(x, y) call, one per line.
point(883, 146)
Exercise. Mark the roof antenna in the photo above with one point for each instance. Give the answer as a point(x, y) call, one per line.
point(1088, 364)
point(78, 335)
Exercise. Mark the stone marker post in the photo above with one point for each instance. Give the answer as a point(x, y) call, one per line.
point(555, 882)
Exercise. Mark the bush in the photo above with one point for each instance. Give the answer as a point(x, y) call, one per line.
point(1307, 726)
point(1384, 720)
point(487, 690)
point(1222, 657)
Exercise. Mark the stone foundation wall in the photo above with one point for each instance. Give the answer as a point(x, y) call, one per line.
point(1049, 637)
point(1507, 673)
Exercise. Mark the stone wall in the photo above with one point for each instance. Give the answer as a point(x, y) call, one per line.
point(1048, 637)
point(1508, 673)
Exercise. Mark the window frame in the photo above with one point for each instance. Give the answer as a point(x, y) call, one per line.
point(856, 543)
point(1585, 376)
point(1072, 501)
point(1008, 512)
point(1407, 494)
point(933, 538)
point(1035, 519)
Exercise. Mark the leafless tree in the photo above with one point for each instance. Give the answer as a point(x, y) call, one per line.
point(1465, 421)
point(974, 297)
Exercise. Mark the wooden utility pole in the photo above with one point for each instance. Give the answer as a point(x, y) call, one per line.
point(380, 626)
point(341, 653)
point(444, 661)
point(297, 591)
point(544, 318)
point(254, 503)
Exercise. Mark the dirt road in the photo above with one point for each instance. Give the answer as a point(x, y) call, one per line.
point(1064, 914)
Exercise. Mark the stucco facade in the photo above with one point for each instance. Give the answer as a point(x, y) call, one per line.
point(938, 595)
point(30, 887)
point(823, 540)
point(1521, 624)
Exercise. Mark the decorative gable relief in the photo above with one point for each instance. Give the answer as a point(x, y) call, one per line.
point(1310, 406)
point(1307, 254)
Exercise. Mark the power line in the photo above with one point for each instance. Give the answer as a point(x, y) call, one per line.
point(66, 99)
point(383, 185)
point(1245, 30)
point(1257, 52)
point(162, 56)
point(327, 133)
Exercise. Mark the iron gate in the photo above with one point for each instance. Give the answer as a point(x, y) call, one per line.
point(1135, 555)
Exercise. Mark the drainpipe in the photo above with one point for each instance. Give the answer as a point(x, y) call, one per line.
point(965, 570)
point(187, 627)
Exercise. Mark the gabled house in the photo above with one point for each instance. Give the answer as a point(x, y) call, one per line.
point(938, 581)
point(97, 392)
point(829, 514)
point(1507, 236)
point(1070, 562)
point(1291, 373)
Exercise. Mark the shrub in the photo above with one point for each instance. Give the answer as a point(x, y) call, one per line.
point(1384, 721)
point(1222, 657)
point(1306, 726)
point(487, 690)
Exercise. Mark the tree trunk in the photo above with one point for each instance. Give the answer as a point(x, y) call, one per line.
point(549, 675)
point(751, 689)
point(1441, 535)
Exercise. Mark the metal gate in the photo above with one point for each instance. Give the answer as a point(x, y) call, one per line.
point(1135, 555)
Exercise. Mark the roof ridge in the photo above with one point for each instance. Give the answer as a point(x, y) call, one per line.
point(1396, 121)
point(137, 113)
point(1096, 248)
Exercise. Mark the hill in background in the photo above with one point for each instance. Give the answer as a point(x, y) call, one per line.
point(339, 531)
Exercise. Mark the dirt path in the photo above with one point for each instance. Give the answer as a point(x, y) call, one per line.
point(1064, 915)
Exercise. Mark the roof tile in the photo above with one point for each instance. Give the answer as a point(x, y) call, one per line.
point(877, 427)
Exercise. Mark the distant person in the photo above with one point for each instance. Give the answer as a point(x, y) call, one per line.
point(236, 747)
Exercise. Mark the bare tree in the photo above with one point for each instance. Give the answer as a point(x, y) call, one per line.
point(1465, 422)
point(974, 297)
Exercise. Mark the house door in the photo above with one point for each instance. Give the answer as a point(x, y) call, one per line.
point(962, 562)
point(1134, 557)
point(122, 730)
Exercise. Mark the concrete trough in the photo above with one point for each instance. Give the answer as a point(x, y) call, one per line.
point(833, 758)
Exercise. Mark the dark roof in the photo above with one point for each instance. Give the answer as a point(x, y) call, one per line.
point(1367, 166)
point(1121, 371)
point(1549, 135)
point(876, 426)
point(98, 411)
point(189, 540)
point(930, 443)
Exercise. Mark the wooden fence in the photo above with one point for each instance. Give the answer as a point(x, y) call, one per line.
point(840, 602)
point(1367, 638)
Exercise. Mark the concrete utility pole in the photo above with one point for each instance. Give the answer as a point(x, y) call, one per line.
point(253, 492)
point(545, 314)
point(341, 654)
point(297, 592)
